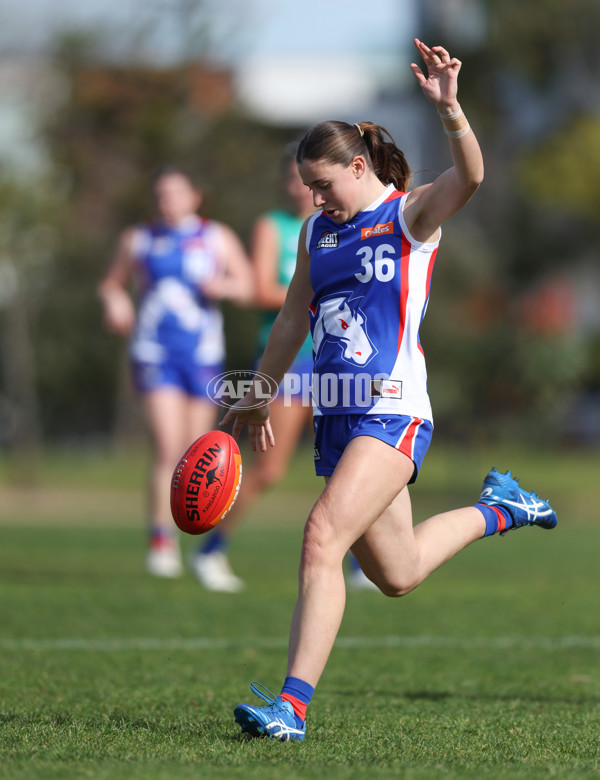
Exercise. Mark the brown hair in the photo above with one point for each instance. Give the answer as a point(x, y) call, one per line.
point(173, 170)
point(339, 143)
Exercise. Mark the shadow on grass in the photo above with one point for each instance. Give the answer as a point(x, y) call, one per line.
point(436, 696)
point(533, 698)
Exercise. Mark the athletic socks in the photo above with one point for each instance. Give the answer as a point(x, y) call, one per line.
point(497, 518)
point(299, 694)
point(216, 542)
point(161, 537)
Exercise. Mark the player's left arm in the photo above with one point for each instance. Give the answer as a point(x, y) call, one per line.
point(428, 206)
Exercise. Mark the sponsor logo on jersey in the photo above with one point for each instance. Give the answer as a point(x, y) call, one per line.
point(386, 388)
point(328, 241)
point(378, 230)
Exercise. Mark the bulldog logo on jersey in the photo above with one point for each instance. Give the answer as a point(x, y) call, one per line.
point(339, 319)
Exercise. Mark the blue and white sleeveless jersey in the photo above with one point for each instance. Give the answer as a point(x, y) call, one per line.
point(174, 318)
point(371, 284)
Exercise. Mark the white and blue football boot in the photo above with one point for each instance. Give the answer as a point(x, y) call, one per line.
point(525, 508)
point(277, 720)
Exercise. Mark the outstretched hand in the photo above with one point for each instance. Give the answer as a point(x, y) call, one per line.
point(257, 420)
point(440, 86)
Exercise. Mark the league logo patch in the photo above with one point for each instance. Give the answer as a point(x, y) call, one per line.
point(328, 241)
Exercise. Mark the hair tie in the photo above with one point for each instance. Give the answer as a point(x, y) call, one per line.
point(360, 130)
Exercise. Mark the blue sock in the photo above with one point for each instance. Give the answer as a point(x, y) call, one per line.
point(354, 564)
point(497, 518)
point(160, 535)
point(216, 542)
point(299, 694)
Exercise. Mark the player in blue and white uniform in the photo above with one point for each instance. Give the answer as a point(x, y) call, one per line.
point(369, 363)
point(364, 269)
point(183, 265)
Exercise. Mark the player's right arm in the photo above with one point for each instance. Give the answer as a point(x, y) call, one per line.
point(118, 308)
point(287, 336)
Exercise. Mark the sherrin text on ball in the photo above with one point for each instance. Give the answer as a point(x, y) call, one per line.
point(206, 482)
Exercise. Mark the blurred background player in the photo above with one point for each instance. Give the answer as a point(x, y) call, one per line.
point(183, 265)
point(274, 251)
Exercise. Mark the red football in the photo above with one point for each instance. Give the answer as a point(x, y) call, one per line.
point(206, 482)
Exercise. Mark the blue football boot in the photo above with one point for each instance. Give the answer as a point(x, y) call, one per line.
point(276, 720)
point(525, 508)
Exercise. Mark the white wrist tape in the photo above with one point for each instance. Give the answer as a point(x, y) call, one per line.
point(457, 133)
point(455, 115)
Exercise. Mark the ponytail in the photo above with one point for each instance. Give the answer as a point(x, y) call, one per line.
point(339, 143)
point(389, 162)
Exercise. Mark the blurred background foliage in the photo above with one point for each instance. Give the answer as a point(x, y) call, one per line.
point(513, 331)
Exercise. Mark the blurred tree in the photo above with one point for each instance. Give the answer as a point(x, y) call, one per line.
point(563, 172)
point(531, 84)
point(529, 74)
point(28, 217)
point(117, 126)
point(531, 87)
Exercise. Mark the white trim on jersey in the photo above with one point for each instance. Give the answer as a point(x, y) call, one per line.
point(383, 197)
point(409, 366)
point(425, 246)
point(309, 229)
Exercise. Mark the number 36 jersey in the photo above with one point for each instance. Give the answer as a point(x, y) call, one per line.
point(371, 283)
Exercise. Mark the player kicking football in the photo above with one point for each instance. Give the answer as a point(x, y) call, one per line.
point(363, 274)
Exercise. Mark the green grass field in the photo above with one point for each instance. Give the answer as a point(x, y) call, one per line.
point(490, 670)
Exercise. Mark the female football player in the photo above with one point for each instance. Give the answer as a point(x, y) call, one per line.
point(364, 272)
point(184, 264)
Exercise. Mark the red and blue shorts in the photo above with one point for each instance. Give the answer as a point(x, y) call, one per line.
point(333, 432)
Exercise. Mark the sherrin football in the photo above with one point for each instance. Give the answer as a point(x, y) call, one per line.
point(206, 482)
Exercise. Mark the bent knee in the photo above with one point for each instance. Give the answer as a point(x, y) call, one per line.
point(395, 588)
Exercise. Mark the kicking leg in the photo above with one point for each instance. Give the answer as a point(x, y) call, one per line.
point(397, 557)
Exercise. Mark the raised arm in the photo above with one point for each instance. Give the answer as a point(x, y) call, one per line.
point(430, 205)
